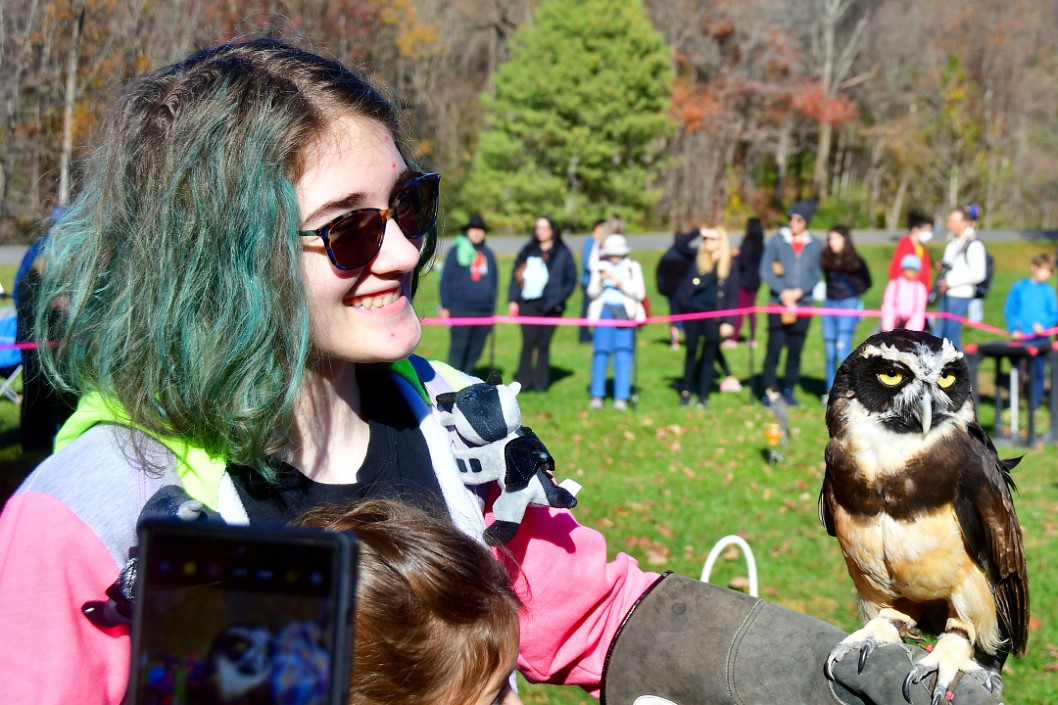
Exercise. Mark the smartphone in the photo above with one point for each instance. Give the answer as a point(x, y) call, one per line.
point(242, 615)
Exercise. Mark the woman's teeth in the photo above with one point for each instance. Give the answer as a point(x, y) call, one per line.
point(372, 302)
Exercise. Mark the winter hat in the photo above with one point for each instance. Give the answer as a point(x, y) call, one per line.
point(805, 209)
point(476, 221)
point(911, 262)
point(615, 245)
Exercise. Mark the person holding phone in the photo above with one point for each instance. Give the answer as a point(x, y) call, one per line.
point(237, 276)
point(617, 291)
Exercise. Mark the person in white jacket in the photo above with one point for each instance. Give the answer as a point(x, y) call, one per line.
point(962, 268)
point(617, 291)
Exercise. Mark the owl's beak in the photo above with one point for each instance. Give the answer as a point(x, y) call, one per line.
point(925, 412)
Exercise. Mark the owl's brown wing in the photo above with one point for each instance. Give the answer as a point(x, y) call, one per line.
point(826, 514)
point(985, 509)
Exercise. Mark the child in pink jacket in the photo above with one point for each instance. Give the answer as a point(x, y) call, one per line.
point(904, 303)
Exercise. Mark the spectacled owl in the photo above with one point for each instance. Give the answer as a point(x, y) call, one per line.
point(921, 506)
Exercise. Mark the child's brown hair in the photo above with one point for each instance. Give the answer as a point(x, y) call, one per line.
point(436, 617)
point(1044, 259)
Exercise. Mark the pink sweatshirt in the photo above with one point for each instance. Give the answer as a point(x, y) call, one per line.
point(904, 300)
point(65, 535)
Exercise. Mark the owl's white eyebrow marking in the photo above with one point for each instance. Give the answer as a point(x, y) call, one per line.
point(923, 362)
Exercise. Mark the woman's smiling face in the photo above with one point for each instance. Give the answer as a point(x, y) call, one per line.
point(361, 315)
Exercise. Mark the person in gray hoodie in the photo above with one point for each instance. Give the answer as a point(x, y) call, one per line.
point(790, 268)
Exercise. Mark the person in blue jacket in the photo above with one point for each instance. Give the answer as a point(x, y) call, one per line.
point(469, 287)
point(1031, 309)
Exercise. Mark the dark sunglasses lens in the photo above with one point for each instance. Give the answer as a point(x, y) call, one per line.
point(356, 239)
point(417, 207)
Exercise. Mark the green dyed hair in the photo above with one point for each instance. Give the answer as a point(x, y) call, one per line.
point(178, 265)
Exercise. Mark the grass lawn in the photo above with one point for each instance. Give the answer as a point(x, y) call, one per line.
point(664, 482)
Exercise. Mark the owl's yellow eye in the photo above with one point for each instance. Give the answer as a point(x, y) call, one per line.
point(946, 381)
point(891, 379)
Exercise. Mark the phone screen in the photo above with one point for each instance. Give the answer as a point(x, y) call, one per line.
point(241, 615)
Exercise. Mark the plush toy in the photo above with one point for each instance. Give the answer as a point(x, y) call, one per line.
point(487, 418)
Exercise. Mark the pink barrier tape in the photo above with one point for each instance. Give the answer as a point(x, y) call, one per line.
point(801, 311)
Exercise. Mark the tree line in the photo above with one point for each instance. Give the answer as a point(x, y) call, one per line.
point(670, 112)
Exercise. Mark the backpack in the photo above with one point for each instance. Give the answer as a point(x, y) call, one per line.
point(985, 285)
point(671, 270)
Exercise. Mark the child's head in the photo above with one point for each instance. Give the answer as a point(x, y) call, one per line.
point(1042, 267)
point(910, 266)
point(436, 618)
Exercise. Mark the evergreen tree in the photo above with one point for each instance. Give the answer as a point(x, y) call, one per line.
point(576, 125)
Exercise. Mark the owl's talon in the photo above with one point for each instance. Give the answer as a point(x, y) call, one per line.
point(906, 689)
point(941, 692)
point(865, 647)
point(990, 679)
point(865, 651)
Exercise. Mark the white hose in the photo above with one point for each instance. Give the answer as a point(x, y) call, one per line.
point(747, 553)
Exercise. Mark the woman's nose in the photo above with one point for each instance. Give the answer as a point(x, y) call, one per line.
point(398, 253)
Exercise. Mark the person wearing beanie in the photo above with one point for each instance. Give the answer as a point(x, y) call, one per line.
point(904, 301)
point(469, 288)
point(790, 268)
point(616, 290)
point(920, 232)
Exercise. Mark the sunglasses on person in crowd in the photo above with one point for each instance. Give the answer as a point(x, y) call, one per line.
point(353, 239)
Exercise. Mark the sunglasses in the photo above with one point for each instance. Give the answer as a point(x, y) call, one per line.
point(353, 239)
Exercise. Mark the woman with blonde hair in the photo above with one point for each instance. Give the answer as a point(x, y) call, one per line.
point(710, 284)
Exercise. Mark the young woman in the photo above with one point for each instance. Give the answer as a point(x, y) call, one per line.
point(237, 274)
point(847, 278)
point(617, 291)
point(436, 619)
point(711, 284)
point(544, 276)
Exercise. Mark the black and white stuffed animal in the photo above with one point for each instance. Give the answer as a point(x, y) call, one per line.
point(487, 418)
point(238, 668)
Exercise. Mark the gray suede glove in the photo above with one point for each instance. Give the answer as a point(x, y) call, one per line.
point(691, 643)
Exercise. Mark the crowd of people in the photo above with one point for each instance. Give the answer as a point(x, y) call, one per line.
point(702, 272)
